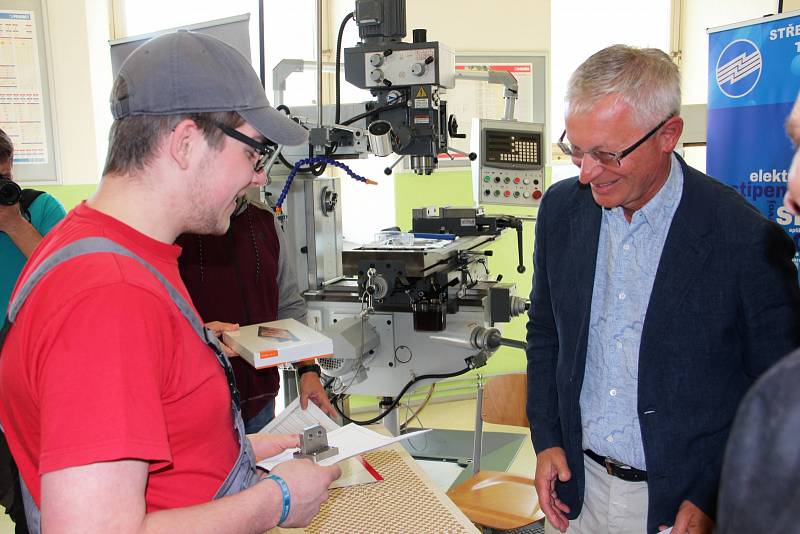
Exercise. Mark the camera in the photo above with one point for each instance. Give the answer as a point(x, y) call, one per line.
point(9, 192)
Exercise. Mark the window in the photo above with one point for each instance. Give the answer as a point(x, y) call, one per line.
point(288, 31)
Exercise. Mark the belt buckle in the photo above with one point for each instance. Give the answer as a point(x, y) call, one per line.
point(609, 463)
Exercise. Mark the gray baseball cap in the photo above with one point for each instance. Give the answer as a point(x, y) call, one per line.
point(188, 72)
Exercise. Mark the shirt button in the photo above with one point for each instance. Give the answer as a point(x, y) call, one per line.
point(622, 296)
point(626, 247)
point(610, 439)
point(619, 344)
point(613, 392)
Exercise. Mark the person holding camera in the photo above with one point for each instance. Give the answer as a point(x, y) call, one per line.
point(25, 216)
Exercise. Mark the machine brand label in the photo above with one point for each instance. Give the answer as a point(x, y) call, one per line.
point(467, 222)
point(420, 102)
point(738, 68)
point(422, 119)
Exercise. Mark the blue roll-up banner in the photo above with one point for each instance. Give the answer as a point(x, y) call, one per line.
point(753, 79)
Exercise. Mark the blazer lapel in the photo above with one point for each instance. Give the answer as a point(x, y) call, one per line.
point(585, 222)
point(685, 252)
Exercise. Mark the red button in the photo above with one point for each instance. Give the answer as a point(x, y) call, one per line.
point(516, 180)
point(507, 193)
point(537, 195)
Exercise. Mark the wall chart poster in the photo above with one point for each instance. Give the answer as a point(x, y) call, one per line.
point(21, 99)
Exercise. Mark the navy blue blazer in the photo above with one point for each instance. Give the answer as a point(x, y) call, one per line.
point(725, 306)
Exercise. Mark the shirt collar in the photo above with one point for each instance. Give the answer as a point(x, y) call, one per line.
point(657, 213)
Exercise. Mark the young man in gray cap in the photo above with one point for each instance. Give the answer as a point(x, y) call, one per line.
point(118, 407)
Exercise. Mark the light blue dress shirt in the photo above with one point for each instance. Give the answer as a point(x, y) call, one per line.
point(628, 255)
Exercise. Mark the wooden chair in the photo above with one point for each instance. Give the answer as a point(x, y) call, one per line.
point(495, 499)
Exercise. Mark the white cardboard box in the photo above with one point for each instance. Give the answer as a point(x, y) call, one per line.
point(276, 342)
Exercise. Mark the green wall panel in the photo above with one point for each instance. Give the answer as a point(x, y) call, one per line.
point(69, 195)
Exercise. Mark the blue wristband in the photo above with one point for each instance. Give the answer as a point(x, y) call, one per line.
point(287, 498)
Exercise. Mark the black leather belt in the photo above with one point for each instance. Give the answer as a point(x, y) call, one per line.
point(618, 469)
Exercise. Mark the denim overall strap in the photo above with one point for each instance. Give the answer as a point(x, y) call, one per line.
point(244, 473)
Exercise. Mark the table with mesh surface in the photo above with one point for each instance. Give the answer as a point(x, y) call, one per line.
point(404, 502)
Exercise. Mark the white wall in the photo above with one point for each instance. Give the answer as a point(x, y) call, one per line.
point(78, 35)
point(696, 18)
point(501, 25)
point(98, 24)
point(581, 28)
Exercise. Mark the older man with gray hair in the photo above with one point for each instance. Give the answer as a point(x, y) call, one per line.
point(659, 296)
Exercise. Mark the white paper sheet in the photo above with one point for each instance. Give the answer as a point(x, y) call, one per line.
point(293, 419)
point(355, 471)
point(351, 440)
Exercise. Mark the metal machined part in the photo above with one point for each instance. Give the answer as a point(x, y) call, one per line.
point(314, 444)
point(485, 338)
point(380, 138)
point(370, 289)
point(381, 286)
point(329, 198)
point(519, 305)
point(423, 164)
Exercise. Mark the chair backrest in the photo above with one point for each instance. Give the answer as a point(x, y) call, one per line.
point(504, 400)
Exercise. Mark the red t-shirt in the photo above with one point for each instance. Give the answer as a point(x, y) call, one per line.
point(100, 366)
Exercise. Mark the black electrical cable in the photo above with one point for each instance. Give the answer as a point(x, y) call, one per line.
point(319, 168)
point(396, 401)
point(302, 170)
point(315, 170)
point(385, 107)
point(338, 64)
point(285, 162)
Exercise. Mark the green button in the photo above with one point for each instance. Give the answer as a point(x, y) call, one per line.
point(507, 179)
point(487, 178)
point(496, 193)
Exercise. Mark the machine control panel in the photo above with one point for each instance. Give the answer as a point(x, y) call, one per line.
point(503, 187)
point(401, 65)
point(510, 165)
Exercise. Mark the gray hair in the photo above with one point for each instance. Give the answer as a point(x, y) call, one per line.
point(646, 79)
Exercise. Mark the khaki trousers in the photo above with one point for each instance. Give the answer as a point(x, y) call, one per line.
point(611, 505)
